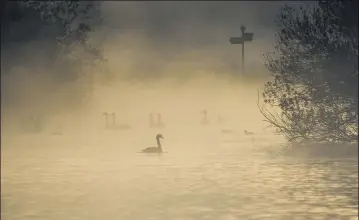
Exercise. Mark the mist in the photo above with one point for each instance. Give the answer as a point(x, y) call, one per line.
point(170, 58)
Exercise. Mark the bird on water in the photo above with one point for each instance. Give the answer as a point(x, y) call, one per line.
point(157, 149)
point(248, 132)
point(204, 120)
point(160, 123)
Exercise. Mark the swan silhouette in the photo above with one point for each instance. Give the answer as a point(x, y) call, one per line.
point(248, 132)
point(227, 131)
point(58, 130)
point(113, 125)
point(160, 123)
point(107, 124)
point(157, 149)
point(32, 124)
point(220, 119)
point(204, 120)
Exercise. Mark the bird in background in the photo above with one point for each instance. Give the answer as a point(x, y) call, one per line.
point(204, 120)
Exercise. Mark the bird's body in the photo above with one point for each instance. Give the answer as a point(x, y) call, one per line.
point(57, 133)
point(220, 119)
point(58, 130)
point(123, 127)
point(152, 150)
point(32, 124)
point(227, 131)
point(248, 132)
point(157, 149)
point(114, 125)
point(118, 127)
point(158, 124)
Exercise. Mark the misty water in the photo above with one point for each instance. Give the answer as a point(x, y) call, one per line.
point(202, 175)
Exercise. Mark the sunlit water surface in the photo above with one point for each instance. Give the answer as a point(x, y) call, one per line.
point(203, 177)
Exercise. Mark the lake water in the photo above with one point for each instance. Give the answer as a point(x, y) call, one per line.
point(219, 178)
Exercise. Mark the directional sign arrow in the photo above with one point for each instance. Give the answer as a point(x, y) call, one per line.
point(247, 37)
point(236, 40)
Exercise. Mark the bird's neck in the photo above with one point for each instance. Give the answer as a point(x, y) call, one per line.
point(159, 143)
point(205, 116)
point(106, 121)
point(152, 122)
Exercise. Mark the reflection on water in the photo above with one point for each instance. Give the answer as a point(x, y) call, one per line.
point(194, 180)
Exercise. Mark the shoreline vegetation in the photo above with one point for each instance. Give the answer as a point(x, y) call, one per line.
point(314, 92)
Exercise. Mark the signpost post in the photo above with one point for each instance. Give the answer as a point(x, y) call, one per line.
point(246, 37)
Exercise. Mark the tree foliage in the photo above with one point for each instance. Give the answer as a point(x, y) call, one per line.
point(315, 71)
point(73, 20)
point(63, 31)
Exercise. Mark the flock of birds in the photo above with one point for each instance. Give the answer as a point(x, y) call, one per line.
point(159, 124)
point(34, 124)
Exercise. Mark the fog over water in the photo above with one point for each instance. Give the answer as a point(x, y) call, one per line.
point(173, 59)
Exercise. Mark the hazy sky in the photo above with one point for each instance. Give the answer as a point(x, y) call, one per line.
point(159, 38)
point(172, 28)
point(197, 22)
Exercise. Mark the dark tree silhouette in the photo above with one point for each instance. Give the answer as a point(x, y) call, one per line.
point(62, 28)
point(314, 93)
point(63, 25)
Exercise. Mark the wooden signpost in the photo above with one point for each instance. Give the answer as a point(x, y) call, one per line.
point(246, 37)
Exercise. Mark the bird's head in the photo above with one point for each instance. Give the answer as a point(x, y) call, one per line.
point(158, 136)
